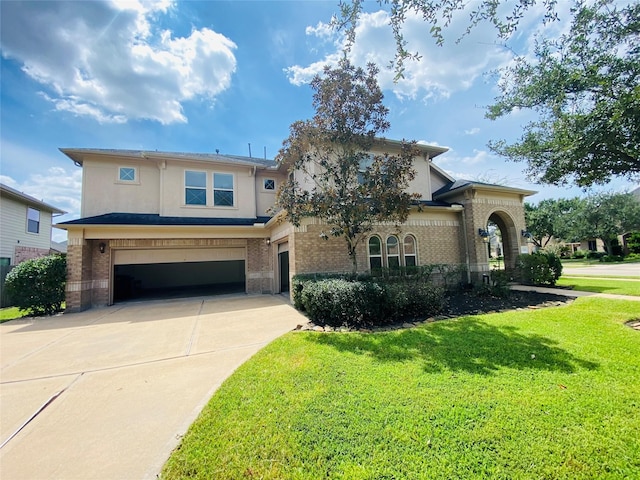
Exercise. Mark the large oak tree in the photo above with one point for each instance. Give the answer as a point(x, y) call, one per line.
point(333, 174)
point(584, 86)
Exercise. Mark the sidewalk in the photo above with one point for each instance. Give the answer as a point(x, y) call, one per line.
point(572, 293)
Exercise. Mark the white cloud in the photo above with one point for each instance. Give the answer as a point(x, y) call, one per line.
point(108, 61)
point(59, 187)
point(478, 157)
point(441, 70)
point(472, 131)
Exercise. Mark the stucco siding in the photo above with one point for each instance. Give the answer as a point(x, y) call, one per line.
point(421, 184)
point(266, 198)
point(173, 191)
point(102, 192)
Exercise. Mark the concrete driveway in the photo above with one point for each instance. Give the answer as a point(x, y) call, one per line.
point(122, 383)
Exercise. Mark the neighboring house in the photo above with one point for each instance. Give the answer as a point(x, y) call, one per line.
point(25, 226)
point(156, 222)
point(25, 231)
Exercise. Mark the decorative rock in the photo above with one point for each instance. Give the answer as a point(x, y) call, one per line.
point(318, 328)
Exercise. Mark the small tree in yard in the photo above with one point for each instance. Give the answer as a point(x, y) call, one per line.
point(335, 177)
point(553, 219)
point(37, 285)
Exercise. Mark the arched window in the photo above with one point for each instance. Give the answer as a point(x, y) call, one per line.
point(375, 253)
point(393, 252)
point(410, 258)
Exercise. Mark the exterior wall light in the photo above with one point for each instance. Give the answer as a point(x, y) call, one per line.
point(484, 234)
point(102, 246)
point(525, 234)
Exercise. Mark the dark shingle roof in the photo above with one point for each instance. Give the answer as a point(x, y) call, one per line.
point(465, 184)
point(155, 219)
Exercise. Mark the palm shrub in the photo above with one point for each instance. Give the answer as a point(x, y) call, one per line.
point(37, 286)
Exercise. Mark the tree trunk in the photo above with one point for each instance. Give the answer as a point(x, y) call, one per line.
point(352, 255)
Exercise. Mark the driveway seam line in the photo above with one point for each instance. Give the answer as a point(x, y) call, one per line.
point(33, 352)
point(148, 362)
point(195, 327)
point(50, 400)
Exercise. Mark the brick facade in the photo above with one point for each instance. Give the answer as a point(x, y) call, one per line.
point(507, 212)
point(439, 240)
point(27, 253)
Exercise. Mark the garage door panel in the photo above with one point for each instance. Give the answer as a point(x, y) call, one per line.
point(174, 255)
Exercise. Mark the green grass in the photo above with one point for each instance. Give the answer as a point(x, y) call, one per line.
point(10, 313)
point(548, 394)
point(600, 285)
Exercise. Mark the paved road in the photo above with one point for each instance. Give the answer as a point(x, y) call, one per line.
point(607, 269)
point(126, 381)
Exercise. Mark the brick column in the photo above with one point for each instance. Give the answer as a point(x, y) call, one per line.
point(101, 266)
point(259, 266)
point(78, 289)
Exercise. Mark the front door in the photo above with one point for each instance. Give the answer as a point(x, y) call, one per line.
point(283, 261)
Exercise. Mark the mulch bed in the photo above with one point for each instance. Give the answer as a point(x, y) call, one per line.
point(468, 303)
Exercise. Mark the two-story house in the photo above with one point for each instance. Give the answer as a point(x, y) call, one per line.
point(160, 223)
point(26, 226)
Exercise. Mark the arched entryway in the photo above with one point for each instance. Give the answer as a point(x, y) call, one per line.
point(508, 236)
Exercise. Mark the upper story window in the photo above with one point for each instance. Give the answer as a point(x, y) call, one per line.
point(127, 174)
point(33, 220)
point(223, 195)
point(410, 251)
point(365, 164)
point(269, 184)
point(393, 252)
point(195, 187)
point(375, 252)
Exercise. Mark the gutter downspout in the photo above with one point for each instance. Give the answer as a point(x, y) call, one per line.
point(466, 244)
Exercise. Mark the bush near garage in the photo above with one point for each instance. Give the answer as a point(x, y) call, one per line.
point(539, 268)
point(37, 286)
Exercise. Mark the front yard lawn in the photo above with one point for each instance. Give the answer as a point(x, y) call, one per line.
point(546, 393)
point(11, 313)
point(600, 285)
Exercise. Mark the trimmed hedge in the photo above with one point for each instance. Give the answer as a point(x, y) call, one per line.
point(37, 285)
point(363, 300)
point(539, 268)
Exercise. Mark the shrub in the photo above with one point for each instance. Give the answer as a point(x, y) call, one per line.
point(579, 254)
point(498, 285)
point(299, 281)
point(632, 257)
point(539, 268)
point(340, 299)
point(591, 255)
point(413, 300)
point(337, 302)
point(633, 243)
point(37, 285)
point(612, 258)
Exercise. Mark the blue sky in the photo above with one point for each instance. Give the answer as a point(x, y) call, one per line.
point(199, 76)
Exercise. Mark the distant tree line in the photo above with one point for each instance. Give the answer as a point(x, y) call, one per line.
point(602, 216)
